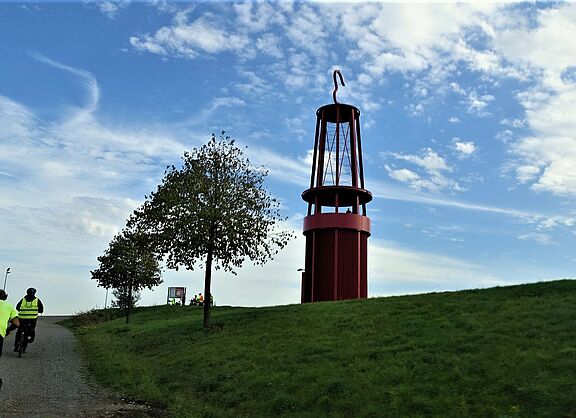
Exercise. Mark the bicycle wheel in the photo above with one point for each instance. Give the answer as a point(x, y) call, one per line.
point(23, 343)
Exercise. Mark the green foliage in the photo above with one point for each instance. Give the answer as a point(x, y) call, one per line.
point(128, 262)
point(124, 298)
point(93, 317)
point(128, 265)
point(502, 352)
point(215, 202)
point(212, 211)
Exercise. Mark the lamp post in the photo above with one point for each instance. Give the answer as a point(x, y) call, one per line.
point(6, 277)
point(303, 276)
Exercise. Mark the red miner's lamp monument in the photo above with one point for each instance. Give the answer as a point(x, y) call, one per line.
point(336, 227)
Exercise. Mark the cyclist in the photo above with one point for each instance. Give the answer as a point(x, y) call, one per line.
point(8, 318)
point(28, 309)
point(8, 315)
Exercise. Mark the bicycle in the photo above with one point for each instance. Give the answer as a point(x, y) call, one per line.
point(25, 337)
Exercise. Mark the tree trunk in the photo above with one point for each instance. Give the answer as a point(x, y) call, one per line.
point(207, 283)
point(129, 306)
point(208, 276)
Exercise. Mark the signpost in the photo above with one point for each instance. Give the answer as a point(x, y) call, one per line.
point(176, 294)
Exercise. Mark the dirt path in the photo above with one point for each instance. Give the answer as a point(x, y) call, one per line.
point(50, 380)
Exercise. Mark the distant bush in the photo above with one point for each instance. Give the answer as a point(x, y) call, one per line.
point(94, 317)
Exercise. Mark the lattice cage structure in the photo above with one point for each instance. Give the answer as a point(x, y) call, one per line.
point(337, 171)
point(336, 226)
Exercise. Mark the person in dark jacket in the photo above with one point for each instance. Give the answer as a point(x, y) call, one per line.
point(28, 309)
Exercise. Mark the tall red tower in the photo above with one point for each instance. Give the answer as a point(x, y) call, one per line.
point(336, 227)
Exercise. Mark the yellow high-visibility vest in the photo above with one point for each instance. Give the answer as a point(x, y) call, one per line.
point(28, 310)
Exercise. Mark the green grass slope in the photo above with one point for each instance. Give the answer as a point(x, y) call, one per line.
point(501, 352)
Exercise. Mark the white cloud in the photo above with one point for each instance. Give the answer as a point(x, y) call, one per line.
point(393, 266)
point(403, 175)
point(554, 157)
point(505, 136)
point(308, 159)
point(431, 178)
point(429, 160)
point(218, 102)
point(556, 221)
point(296, 127)
point(526, 173)
point(258, 16)
point(306, 28)
point(477, 104)
point(270, 45)
point(189, 39)
point(365, 79)
point(543, 239)
point(85, 215)
point(111, 8)
point(385, 37)
point(215, 104)
point(254, 85)
point(548, 45)
point(464, 149)
point(90, 85)
point(513, 123)
point(455, 87)
point(539, 221)
point(386, 191)
point(433, 182)
point(554, 116)
point(282, 167)
point(544, 46)
point(79, 155)
point(16, 120)
point(552, 146)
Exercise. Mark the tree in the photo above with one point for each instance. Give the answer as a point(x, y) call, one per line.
point(214, 211)
point(124, 298)
point(128, 266)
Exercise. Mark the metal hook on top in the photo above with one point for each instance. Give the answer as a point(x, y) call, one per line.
point(336, 84)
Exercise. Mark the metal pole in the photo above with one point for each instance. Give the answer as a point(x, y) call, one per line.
point(6, 277)
point(106, 299)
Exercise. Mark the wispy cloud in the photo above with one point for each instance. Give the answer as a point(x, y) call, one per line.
point(539, 221)
point(540, 238)
point(477, 104)
point(90, 84)
point(215, 104)
point(394, 267)
point(430, 178)
point(112, 8)
point(190, 39)
point(385, 191)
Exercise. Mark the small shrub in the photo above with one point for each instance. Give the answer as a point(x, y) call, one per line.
point(94, 317)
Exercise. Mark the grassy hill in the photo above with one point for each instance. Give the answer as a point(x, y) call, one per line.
point(500, 352)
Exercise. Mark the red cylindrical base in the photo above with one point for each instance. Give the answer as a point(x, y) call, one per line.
point(336, 257)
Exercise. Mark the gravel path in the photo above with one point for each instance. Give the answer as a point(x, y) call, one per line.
point(50, 380)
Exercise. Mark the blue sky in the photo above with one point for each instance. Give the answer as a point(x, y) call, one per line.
point(468, 116)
